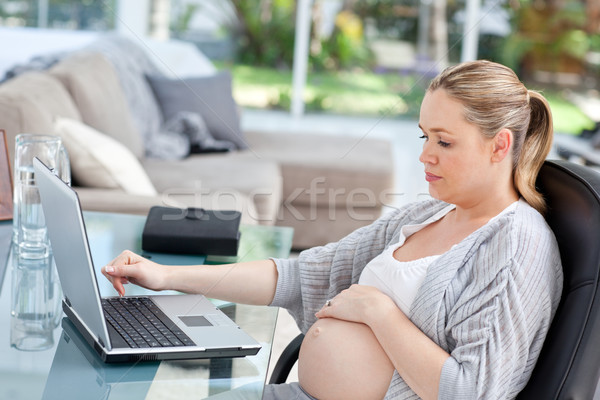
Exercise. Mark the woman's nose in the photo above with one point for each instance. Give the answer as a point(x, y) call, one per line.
point(427, 156)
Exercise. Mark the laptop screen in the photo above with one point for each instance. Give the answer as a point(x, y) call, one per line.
point(70, 248)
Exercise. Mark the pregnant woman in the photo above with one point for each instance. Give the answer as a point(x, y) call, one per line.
point(447, 298)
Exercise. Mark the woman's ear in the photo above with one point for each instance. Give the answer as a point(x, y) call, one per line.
point(502, 145)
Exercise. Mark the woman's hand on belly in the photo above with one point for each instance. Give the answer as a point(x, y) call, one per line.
point(343, 360)
point(358, 303)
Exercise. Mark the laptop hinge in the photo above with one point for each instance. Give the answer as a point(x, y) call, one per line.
point(101, 341)
point(67, 301)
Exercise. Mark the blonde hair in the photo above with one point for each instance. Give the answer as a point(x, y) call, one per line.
point(494, 98)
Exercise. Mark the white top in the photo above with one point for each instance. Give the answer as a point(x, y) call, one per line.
point(401, 280)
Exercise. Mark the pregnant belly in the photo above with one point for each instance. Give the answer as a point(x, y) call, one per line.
point(343, 360)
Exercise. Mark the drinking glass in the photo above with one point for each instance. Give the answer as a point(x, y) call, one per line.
point(36, 300)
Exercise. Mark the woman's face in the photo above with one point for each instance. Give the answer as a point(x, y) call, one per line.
point(456, 155)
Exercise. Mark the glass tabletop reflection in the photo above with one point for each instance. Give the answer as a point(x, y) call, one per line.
point(70, 369)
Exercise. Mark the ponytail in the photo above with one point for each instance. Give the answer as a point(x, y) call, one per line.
point(535, 148)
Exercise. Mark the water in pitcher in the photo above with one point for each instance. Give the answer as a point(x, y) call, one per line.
point(29, 219)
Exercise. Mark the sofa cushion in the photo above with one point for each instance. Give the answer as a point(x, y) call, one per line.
point(94, 86)
point(328, 170)
point(97, 160)
point(29, 103)
point(221, 175)
point(209, 96)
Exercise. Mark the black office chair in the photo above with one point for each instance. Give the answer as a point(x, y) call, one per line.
point(569, 364)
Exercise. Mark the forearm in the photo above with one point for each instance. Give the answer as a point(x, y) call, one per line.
point(417, 358)
point(249, 283)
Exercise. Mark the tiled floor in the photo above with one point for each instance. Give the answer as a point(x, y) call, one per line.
point(409, 177)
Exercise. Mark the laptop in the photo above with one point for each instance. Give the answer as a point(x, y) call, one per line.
point(172, 326)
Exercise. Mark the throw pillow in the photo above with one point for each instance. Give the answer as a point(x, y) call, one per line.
point(209, 96)
point(97, 160)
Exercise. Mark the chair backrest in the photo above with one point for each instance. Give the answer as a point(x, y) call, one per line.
point(569, 364)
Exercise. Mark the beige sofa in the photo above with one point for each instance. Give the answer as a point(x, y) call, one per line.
point(322, 186)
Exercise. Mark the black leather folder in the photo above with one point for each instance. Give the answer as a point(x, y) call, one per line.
point(192, 231)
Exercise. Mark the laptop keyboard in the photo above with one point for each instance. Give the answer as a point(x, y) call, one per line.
point(142, 324)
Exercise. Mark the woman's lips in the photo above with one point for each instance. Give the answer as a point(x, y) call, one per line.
point(429, 177)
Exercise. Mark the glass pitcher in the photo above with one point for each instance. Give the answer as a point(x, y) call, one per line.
point(29, 225)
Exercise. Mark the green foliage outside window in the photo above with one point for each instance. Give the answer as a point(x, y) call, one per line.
point(547, 38)
point(265, 33)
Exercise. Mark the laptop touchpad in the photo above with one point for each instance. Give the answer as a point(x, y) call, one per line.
point(195, 320)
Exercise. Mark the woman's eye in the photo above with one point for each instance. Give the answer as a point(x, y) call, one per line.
point(443, 144)
point(423, 137)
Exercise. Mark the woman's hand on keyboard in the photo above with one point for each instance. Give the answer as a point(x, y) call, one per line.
point(131, 267)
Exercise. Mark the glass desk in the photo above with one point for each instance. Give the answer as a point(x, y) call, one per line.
point(71, 370)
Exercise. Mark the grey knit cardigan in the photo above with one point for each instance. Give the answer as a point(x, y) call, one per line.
point(488, 301)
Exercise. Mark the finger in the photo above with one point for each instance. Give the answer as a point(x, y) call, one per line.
point(120, 271)
point(118, 285)
point(325, 311)
point(118, 275)
point(126, 257)
point(106, 274)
